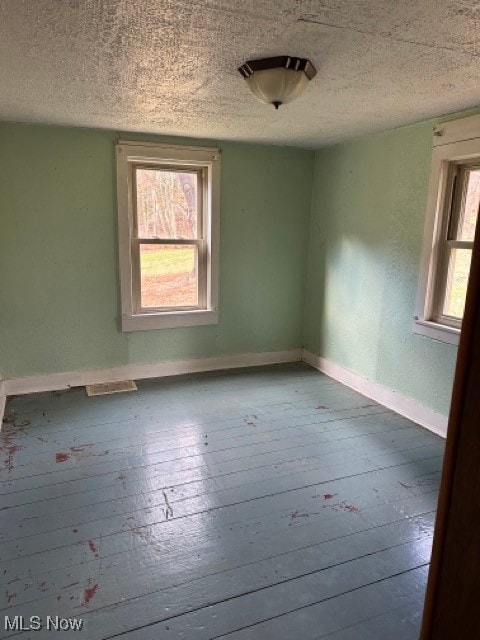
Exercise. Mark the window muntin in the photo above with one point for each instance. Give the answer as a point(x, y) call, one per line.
point(459, 219)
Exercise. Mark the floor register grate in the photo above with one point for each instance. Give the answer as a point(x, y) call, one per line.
point(107, 388)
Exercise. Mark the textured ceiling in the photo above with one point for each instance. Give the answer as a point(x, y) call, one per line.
point(170, 66)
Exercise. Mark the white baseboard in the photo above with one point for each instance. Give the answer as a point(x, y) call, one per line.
point(57, 381)
point(53, 382)
point(406, 407)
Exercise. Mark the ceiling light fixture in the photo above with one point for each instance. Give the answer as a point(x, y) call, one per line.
point(278, 80)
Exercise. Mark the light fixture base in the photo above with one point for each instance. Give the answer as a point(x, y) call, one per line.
point(278, 62)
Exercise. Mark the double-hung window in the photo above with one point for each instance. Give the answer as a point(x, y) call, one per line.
point(451, 219)
point(168, 207)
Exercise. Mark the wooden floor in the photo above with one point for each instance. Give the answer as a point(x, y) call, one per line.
point(269, 503)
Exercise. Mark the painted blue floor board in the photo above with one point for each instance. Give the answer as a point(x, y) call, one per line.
point(263, 503)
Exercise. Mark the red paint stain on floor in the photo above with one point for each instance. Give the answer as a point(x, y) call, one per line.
point(93, 548)
point(9, 461)
point(350, 508)
point(75, 530)
point(89, 592)
point(61, 456)
point(343, 506)
point(329, 496)
point(295, 515)
point(9, 448)
point(80, 448)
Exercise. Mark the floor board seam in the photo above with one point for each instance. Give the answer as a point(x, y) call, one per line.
point(233, 504)
point(197, 495)
point(279, 555)
point(207, 453)
point(312, 604)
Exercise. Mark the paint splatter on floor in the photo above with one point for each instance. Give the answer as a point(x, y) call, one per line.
point(343, 506)
point(80, 448)
point(8, 446)
point(11, 450)
point(89, 592)
point(295, 515)
point(93, 548)
point(79, 452)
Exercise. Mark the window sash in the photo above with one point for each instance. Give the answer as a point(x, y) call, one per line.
point(200, 242)
point(460, 182)
point(456, 189)
point(202, 252)
point(159, 166)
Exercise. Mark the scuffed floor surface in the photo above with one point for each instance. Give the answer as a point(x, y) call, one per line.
point(270, 503)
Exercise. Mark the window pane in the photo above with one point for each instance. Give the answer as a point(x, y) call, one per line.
point(168, 275)
point(166, 203)
point(458, 272)
point(468, 218)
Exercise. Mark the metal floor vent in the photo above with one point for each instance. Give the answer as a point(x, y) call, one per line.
point(110, 387)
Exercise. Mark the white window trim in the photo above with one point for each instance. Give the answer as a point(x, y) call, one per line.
point(129, 154)
point(454, 141)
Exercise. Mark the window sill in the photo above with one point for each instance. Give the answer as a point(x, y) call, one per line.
point(168, 320)
point(436, 331)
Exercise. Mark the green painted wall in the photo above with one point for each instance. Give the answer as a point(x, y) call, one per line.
point(368, 208)
point(59, 289)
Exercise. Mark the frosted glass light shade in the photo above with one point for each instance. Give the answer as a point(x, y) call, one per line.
point(277, 85)
point(277, 80)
